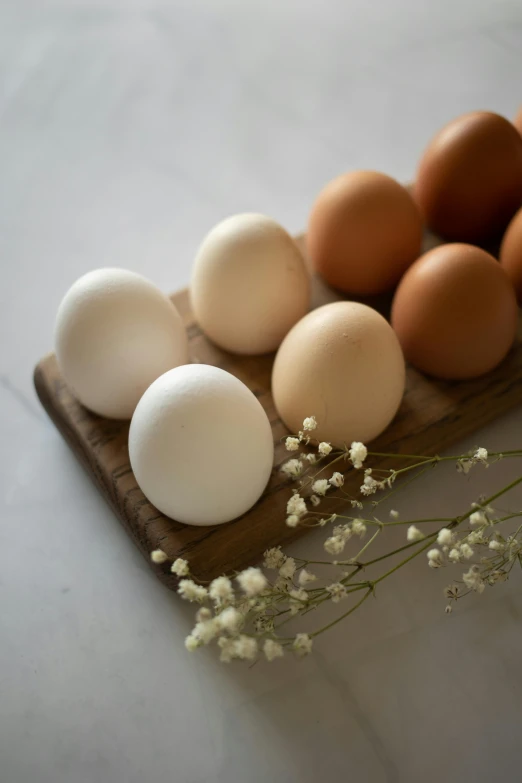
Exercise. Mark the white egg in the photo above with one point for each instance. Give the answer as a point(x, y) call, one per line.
point(115, 333)
point(249, 284)
point(201, 445)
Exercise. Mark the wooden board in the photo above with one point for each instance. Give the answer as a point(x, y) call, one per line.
point(433, 415)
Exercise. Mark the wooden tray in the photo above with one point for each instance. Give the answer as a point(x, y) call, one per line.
point(432, 416)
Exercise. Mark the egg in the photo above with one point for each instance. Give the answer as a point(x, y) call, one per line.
point(469, 180)
point(249, 284)
point(511, 253)
point(455, 312)
point(364, 231)
point(200, 445)
point(343, 364)
point(115, 333)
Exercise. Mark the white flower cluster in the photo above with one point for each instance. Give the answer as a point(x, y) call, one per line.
point(292, 468)
point(225, 623)
point(358, 453)
point(158, 556)
point(337, 591)
point(414, 534)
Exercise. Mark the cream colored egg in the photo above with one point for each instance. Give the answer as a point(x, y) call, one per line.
point(115, 333)
point(201, 445)
point(249, 284)
point(343, 364)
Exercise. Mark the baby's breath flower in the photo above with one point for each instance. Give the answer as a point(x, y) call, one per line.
point(394, 514)
point(475, 537)
point(292, 520)
point(292, 468)
point(287, 570)
point(435, 558)
point(497, 546)
point(311, 458)
point(320, 487)
point(337, 480)
point(324, 449)
point(296, 505)
point(478, 519)
point(370, 486)
point(158, 556)
point(466, 551)
point(221, 591)
point(190, 591)
point(454, 555)
point(292, 444)
point(302, 644)
point(473, 580)
point(305, 577)
point(337, 591)
point(358, 453)
point(246, 647)
point(252, 581)
point(322, 522)
point(359, 527)
point(445, 537)
point(310, 424)
point(228, 649)
point(205, 631)
point(414, 534)
point(191, 643)
point(230, 619)
point(452, 592)
point(481, 455)
point(272, 650)
point(180, 567)
point(343, 531)
point(315, 500)
point(203, 614)
point(273, 558)
point(334, 545)
point(448, 609)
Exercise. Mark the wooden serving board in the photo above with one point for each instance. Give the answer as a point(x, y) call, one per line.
point(433, 415)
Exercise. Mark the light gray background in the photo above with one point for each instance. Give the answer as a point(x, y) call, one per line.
point(127, 129)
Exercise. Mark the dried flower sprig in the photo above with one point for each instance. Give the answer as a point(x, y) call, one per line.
point(246, 615)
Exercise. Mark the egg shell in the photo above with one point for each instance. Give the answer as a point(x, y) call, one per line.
point(511, 253)
point(343, 364)
point(469, 180)
point(201, 445)
point(249, 284)
point(455, 312)
point(364, 231)
point(115, 333)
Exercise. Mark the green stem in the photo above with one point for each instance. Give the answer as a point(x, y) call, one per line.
point(342, 616)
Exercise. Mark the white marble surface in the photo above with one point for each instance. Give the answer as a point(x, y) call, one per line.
point(126, 130)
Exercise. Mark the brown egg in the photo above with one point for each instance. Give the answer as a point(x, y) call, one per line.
point(511, 253)
point(517, 122)
point(343, 364)
point(455, 312)
point(363, 233)
point(469, 180)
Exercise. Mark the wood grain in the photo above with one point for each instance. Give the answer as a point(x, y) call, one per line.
point(433, 415)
